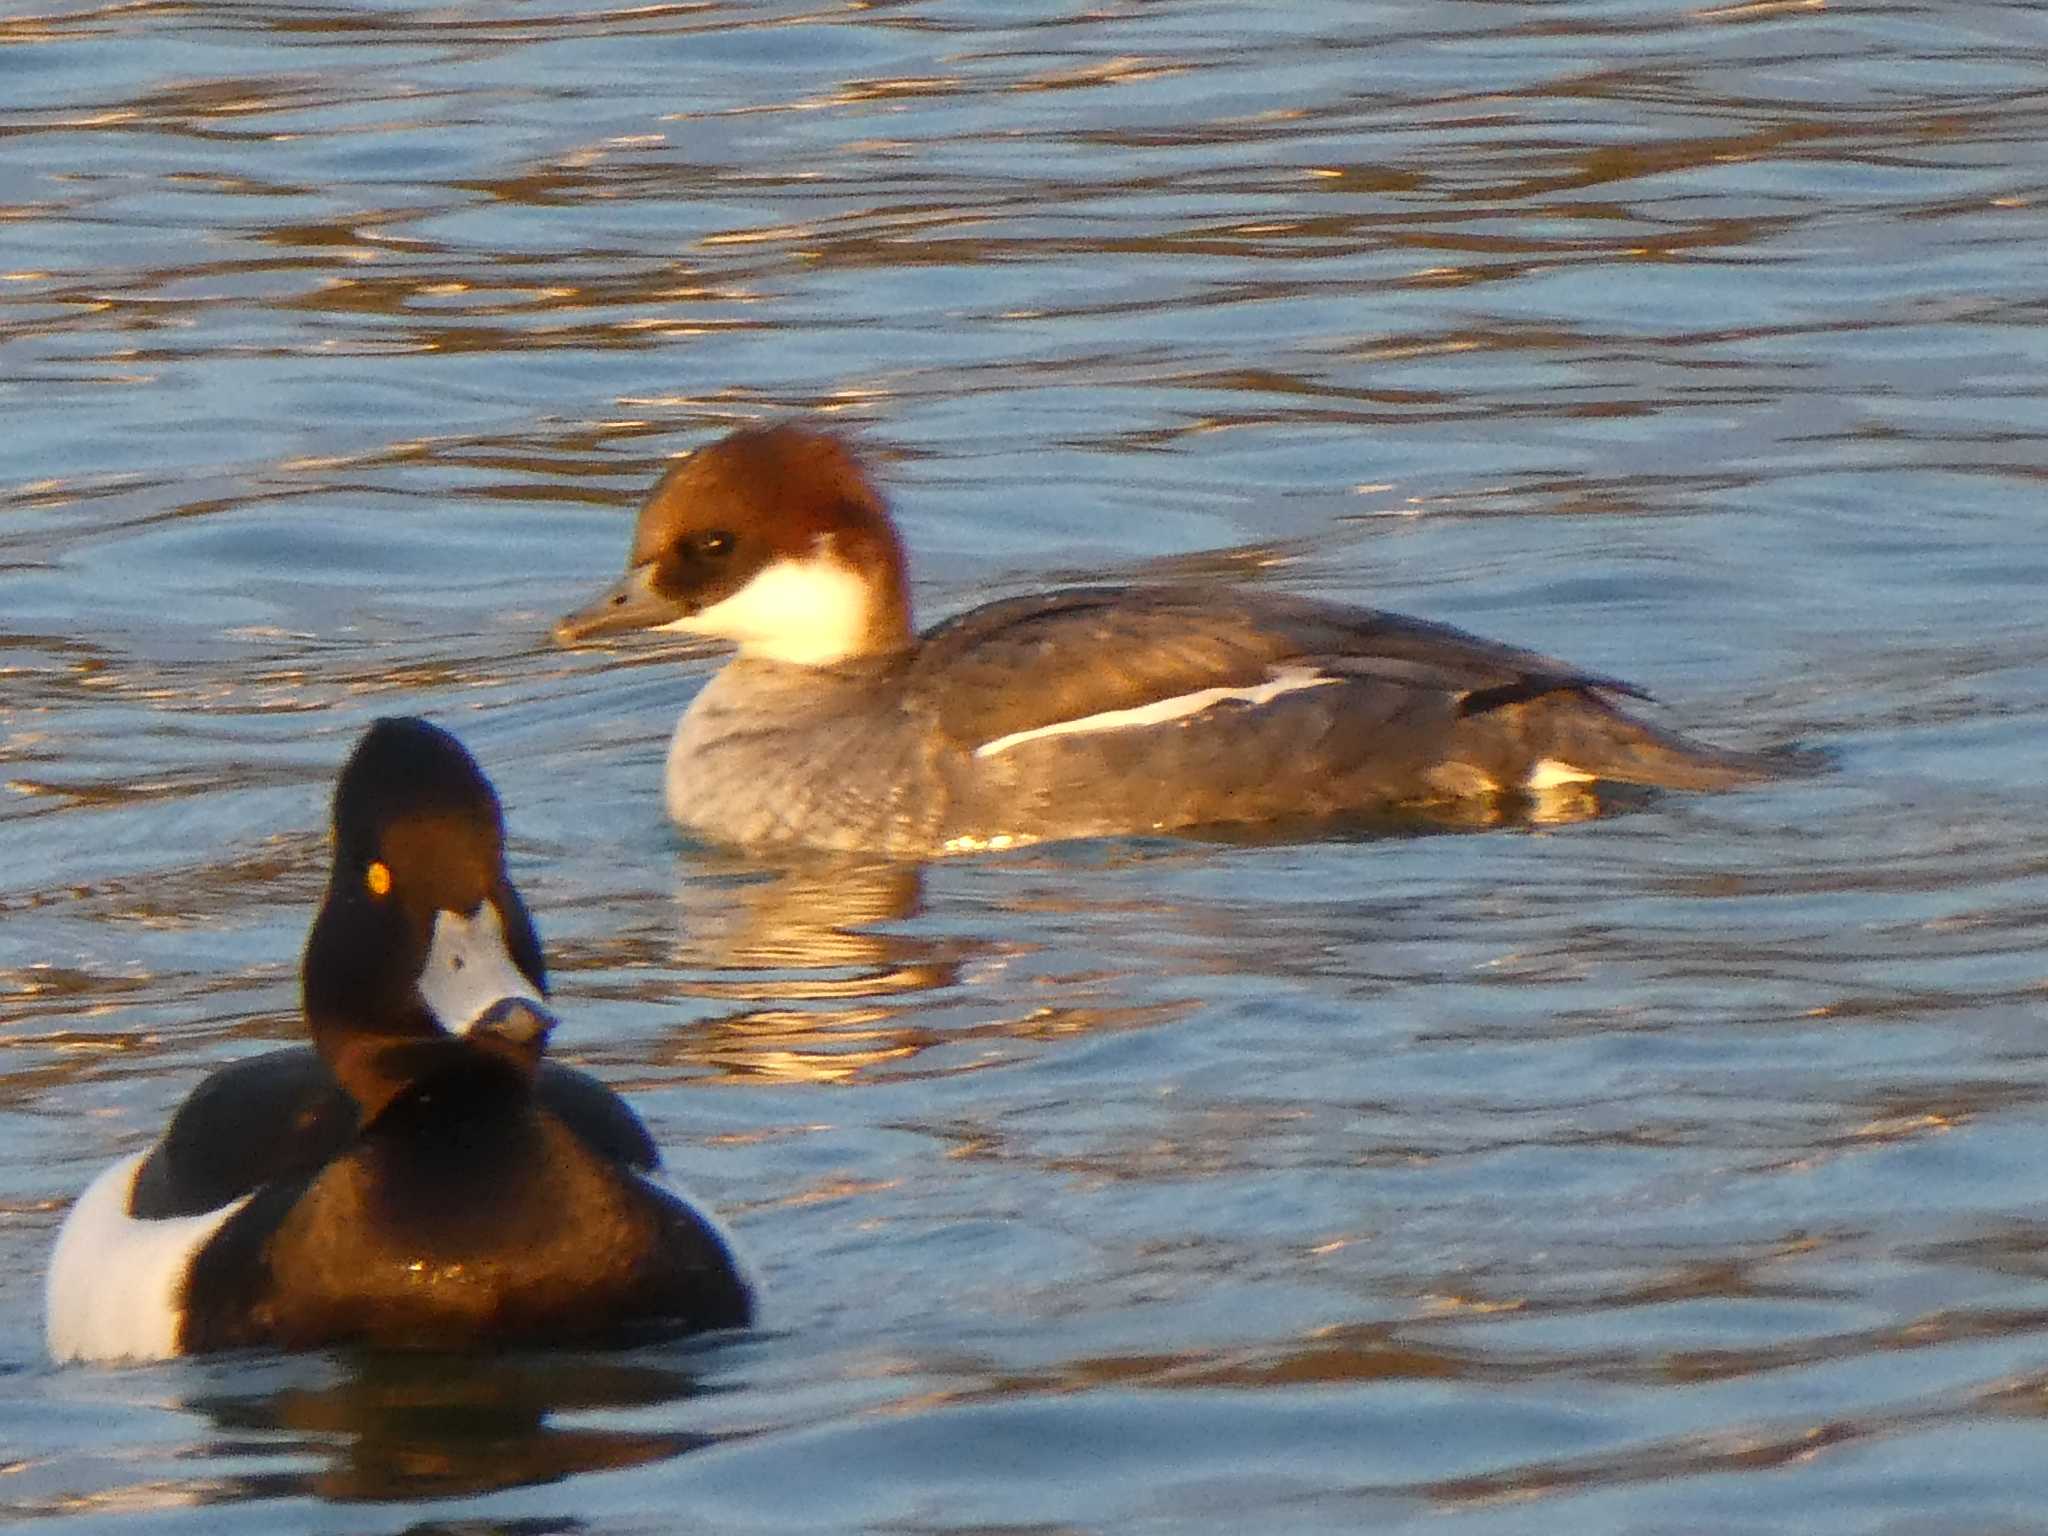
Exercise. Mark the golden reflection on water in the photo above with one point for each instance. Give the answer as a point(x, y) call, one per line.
point(840, 994)
point(739, 913)
point(1348, 1353)
point(798, 940)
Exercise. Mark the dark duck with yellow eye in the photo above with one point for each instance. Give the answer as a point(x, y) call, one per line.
point(423, 1178)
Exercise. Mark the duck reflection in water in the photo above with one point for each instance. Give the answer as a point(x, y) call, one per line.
point(403, 1427)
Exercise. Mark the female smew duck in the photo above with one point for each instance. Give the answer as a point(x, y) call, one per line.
point(1076, 713)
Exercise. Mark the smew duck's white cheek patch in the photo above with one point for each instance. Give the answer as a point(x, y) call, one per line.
point(1282, 680)
point(810, 612)
point(469, 969)
point(115, 1289)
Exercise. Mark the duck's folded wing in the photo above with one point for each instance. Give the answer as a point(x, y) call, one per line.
point(282, 1116)
point(602, 1120)
point(275, 1116)
point(1034, 664)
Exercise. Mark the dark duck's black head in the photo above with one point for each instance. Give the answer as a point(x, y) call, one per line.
point(422, 964)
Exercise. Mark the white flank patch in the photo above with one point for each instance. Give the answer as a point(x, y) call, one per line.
point(810, 612)
point(115, 1290)
point(1550, 772)
point(1179, 707)
point(469, 970)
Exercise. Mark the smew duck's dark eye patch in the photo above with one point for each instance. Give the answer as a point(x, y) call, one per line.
point(715, 545)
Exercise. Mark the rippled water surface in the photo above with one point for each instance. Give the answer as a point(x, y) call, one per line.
point(1682, 1169)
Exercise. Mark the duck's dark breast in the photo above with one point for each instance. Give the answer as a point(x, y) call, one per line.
point(449, 1230)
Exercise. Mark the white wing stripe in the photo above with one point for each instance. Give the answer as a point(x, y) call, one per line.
point(1179, 707)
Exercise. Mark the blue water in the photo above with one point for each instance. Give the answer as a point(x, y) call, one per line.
point(1677, 1170)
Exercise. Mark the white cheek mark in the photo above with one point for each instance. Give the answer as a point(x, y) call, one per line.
point(1179, 707)
point(115, 1288)
point(469, 969)
point(810, 612)
point(1550, 772)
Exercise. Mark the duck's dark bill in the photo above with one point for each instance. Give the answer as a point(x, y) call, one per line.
point(629, 603)
point(515, 1019)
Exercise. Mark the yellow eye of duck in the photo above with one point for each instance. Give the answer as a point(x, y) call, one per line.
point(378, 878)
